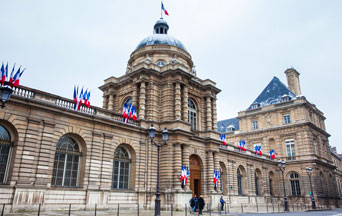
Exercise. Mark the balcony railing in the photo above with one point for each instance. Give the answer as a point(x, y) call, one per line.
point(37, 95)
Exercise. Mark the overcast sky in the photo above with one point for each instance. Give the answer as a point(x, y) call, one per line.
point(238, 44)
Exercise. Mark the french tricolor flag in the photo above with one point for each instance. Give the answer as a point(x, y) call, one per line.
point(163, 8)
point(223, 139)
point(272, 154)
point(134, 113)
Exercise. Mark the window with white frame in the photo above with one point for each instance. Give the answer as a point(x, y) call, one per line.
point(192, 114)
point(121, 167)
point(5, 154)
point(66, 164)
point(255, 124)
point(290, 149)
point(295, 185)
point(287, 119)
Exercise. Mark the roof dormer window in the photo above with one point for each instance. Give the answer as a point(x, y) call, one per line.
point(161, 63)
point(285, 98)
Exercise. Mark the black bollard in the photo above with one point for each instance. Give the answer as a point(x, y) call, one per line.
point(171, 209)
point(210, 209)
point(267, 207)
point(257, 205)
point(39, 209)
point(95, 209)
point(138, 209)
point(186, 210)
point(241, 208)
point(69, 209)
point(278, 208)
point(3, 209)
point(225, 208)
point(118, 212)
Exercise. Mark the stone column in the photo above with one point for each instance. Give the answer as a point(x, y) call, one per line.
point(135, 95)
point(177, 165)
point(105, 102)
point(185, 104)
point(142, 100)
point(178, 102)
point(209, 121)
point(210, 173)
point(214, 111)
point(185, 161)
point(111, 102)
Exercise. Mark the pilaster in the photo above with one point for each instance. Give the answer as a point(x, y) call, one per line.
point(185, 103)
point(178, 102)
point(142, 100)
point(209, 121)
point(177, 165)
point(111, 102)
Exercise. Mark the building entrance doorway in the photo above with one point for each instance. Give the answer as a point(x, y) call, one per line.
point(195, 175)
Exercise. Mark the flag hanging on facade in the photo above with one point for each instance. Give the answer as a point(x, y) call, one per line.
point(88, 99)
point(272, 154)
point(257, 150)
point(216, 178)
point(80, 100)
point(11, 76)
point(223, 139)
point(184, 174)
point(134, 113)
point(163, 9)
point(241, 145)
point(17, 77)
point(2, 74)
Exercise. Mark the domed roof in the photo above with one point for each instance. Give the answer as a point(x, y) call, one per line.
point(160, 36)
point(160, 39)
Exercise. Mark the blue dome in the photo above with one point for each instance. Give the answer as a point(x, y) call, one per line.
point(156, 39)
point(160, 36)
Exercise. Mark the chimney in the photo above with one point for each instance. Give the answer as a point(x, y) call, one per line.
point(293, 84)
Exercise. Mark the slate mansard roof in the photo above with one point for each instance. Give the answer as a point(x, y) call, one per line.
point(272, 94)
point(224, 124)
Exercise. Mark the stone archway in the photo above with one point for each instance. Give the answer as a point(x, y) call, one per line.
point(195, 175)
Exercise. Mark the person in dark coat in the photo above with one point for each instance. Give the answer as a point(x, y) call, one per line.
point(200, 205)
point(193, 203)
point(222, 203)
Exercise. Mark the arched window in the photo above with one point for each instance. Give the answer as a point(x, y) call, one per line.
point(67, 161)
point(295, 186)
point(128, 101)
point(192, 114)
point(239, 179)
point(121, 167)
point(5, 154)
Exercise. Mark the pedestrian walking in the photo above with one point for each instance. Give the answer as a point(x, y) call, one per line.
point(193, 203)
point(222, 203)
point(201, 204)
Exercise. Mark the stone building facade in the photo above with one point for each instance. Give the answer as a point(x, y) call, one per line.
point(53, 155)
point(283, 120)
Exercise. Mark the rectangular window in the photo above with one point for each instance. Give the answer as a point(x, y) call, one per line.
point(287, 119)
point(290, 149)
point(254, 124)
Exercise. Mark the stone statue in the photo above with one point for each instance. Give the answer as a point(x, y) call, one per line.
point(174, 59)
point(147, 59)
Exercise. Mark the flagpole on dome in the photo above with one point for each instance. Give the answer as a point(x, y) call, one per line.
point(161, 10)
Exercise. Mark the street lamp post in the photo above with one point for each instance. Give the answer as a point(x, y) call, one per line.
point(6, 92)
point(309, 171)
point(282, 165)
point(152, 132)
